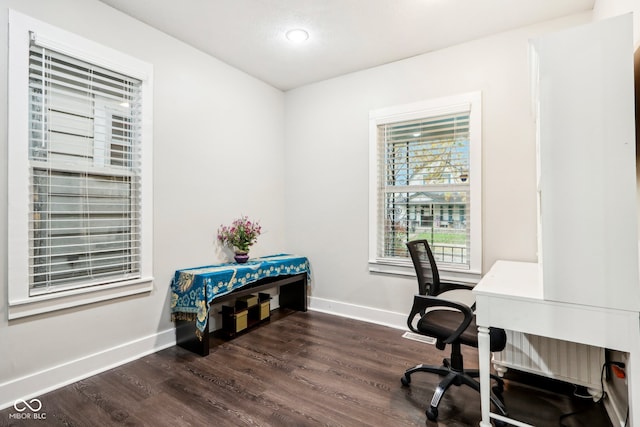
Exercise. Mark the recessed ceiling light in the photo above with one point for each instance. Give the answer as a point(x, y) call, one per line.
point(297, 36)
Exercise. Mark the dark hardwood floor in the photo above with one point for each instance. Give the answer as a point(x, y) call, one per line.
point(304, 369)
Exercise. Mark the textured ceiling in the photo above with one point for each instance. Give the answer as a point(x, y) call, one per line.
point(345, 35)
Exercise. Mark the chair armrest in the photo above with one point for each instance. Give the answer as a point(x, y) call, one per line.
point(448, 286)
point(422, 302)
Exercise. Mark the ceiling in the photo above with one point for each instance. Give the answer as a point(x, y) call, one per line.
point(345, 35)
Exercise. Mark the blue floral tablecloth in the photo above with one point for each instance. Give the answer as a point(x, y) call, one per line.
point(194, 289)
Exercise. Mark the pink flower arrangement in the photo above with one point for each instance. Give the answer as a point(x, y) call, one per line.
point(240, 235)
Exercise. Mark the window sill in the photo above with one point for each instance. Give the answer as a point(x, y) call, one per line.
point(77, 297)
point(400, 268)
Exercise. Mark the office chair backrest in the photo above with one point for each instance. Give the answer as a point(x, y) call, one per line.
point(425, 266)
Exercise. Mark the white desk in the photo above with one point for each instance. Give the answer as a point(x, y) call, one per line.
point(510, 297)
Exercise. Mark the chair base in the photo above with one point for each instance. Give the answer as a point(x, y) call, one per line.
point(454, 377)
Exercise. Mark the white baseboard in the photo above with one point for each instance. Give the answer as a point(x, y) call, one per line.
point(359, 312)
point(38, 383)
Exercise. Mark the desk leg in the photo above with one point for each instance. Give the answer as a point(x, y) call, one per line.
point(484, 359)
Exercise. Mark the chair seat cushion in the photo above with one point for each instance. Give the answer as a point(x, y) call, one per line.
point(441, 324)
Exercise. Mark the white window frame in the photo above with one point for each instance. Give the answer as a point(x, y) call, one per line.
point(419, 110)
point(21, 304)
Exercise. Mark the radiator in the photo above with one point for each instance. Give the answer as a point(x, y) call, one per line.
point(562, 360)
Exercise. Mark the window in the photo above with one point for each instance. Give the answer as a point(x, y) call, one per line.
point(79, 155)
point(425, 183)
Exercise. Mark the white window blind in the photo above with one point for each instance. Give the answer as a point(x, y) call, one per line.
point(85, 180)
point(424, 186)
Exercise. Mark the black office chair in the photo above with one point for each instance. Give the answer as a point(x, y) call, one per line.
point(449, 322)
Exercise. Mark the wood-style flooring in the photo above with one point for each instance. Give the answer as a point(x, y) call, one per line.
point(304, 369)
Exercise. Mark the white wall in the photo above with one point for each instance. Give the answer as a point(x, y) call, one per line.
point(218, 153)
point(327, 162)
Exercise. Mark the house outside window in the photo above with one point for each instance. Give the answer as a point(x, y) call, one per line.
point(425, 184)
point(80, 170)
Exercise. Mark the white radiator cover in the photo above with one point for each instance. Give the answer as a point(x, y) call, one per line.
point(562, 360)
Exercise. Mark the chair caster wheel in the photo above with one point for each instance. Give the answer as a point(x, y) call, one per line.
point(499, 423)
point(432, 414)
point(405, 380)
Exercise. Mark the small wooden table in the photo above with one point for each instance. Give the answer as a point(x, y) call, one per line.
point(195, 290)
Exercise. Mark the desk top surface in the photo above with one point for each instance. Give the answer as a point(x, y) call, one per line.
point(513, 279)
